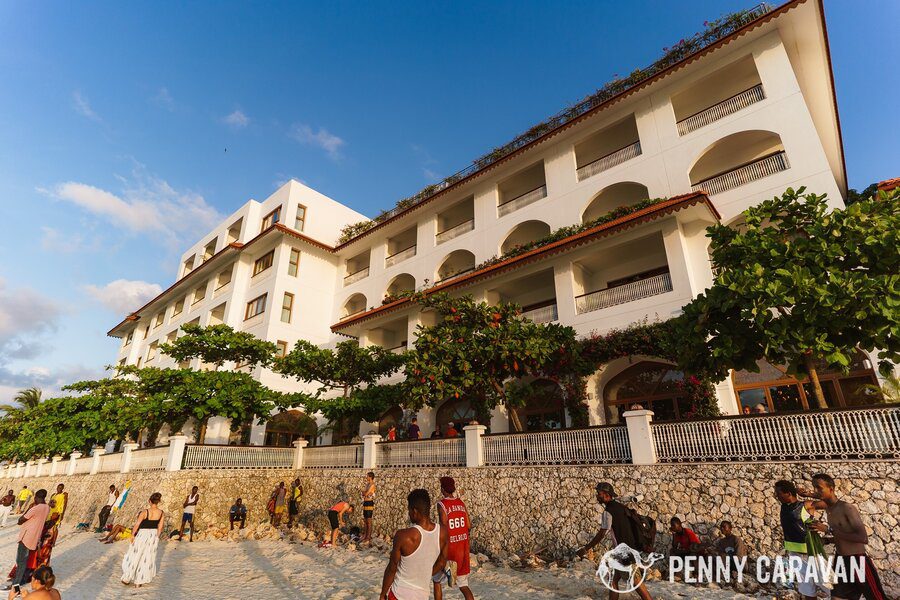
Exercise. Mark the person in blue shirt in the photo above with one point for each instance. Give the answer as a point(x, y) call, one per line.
point(237, 512)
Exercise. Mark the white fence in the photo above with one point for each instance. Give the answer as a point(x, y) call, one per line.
point(400, 256)
point(354, 277)
point(83, 464)
point(455, 231)
point(237, 457)
point(757, 169)
point(609, 161)
point(628, 292)
point(866, 433)
point(523, 200)
point(111, 463)
point(423, 453)
point(598, 445)
point(721, 110)
point(544, 314)
point(149, 459)
point(333, 457)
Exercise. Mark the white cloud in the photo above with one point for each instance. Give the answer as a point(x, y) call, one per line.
point(163, 99)
point(322, 138)
point(146, 205)
point(83, 107)
point(237, 119)
point(123, 296)
point(49, 380)
point(427, 162)
point(25, 316)
point(52, 240)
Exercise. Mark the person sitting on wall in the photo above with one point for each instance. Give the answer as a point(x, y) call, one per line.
point(729, 546)
point(684, 541)
point(237, 513)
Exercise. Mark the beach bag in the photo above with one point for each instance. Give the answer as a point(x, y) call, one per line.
point(644, 530)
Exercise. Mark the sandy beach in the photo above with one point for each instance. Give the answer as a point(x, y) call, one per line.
point(223, 570)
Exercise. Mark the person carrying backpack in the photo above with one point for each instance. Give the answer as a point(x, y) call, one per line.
point(627, 527)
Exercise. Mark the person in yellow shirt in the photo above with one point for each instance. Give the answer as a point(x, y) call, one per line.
point(58, 503)
point(22, 499)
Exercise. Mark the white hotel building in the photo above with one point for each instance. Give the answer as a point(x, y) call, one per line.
point(720, 131)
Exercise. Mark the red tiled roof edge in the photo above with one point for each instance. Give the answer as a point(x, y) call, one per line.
point(889, 184)
point(665, 207)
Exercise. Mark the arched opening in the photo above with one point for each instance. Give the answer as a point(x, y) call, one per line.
point(615, 196)
point(544, 409)
point(458, 411)
point(391, 418)
point(457, 262)
point(524, 233)
point(738, 159)
point(400, 285)
point(287, 427)
point(649, 384)
point(355, 304)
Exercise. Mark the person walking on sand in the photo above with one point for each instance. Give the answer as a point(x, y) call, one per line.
point(111, 498)
point(59, 502)
point(368, 498)
point(190, 507)
point(22, 499)
point(139, 563)
point(295, 496)
point(418, 553)
point(454, 517)
point(31, 527)
point(6, 506)
point(336, 520)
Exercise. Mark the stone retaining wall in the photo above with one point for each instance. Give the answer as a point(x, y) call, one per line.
point(524, 509)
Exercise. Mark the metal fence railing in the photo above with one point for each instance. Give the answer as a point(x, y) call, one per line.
point(455, 231)
point(237, 457)
point(769, 165)
point(523, 200)
point(722, 109)
point(595, 445)
point(333, 457)
point(620, 294)
point(425, 453)
point(604, 163)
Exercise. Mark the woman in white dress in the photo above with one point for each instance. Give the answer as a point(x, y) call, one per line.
point(139, 564)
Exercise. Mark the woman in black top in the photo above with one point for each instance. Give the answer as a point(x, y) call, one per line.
point(139, 564)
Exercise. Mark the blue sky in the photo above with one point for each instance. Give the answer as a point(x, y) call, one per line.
point(115, 118)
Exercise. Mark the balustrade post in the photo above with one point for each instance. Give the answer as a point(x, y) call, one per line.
point(127, 449)
point(474, 445)
point(177, 444)
point(98, 455)
point(299, 445)
point(40, 466)
point(20, 469)
point(370, 450)
point(29, 470)
point(73, 462)
point(640, 437)
point(54, 465)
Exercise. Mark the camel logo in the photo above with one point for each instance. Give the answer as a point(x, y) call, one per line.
point(627, 561)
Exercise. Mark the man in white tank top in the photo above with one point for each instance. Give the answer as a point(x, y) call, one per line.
point(417, 555)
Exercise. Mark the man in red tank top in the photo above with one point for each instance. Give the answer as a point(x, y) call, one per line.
point(453, 515)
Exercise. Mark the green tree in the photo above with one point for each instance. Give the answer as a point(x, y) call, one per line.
point(799, 284)
point(867, 194)
point(217, 344)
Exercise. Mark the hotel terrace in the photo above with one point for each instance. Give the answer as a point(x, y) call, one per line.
point(721, 129)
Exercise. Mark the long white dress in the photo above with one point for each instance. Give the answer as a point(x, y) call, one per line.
point(139, 564)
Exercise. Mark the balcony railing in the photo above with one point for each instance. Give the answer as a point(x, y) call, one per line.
point(353, 313)
point(523, 200)
point(237, 457)
point(455, 231)
point(354, 277)
point(597, 445)
point(757, 169)
point(431, 453)
point(543, 314)
point(721, 110)
point(399, 349)
point(628, 292)
point(454, 274)
point(609, 161)
point(400, 256)
point(333, 457)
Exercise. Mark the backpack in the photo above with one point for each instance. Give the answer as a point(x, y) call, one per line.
point(644, 529)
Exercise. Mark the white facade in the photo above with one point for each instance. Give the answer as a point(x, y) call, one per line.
point(744, 121)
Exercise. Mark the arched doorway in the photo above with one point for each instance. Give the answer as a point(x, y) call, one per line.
point(458, 411)
point(544, 409)
point(286, 427)
point(650, 384)
point(391, 418)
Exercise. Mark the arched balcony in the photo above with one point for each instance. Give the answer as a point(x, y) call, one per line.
point(738, 159)
point(524, 233)
point(615, 196)
point(456, 263)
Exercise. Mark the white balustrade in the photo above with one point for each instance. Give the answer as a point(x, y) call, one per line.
point(544, 314)
point(596, 445)
point(454, 274)
point(111, 463)
point(628, 292)
point(423, 453)
point(864, 433)
point(455, 231)
point(721, 110)
point(400, 256)
point(769, 165)
point(523, 200)
point(83, 465)
point(149, 459)
point(354, 277)
point(237, 457)
point(609, 161)
point(333, 457)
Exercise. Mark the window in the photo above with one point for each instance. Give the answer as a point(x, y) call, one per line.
point(151, 351)
point(282, 348)
point(188, 266)
point(257, 306)
point(146, 331)
point(172, 335)
point(159, 319)
point(234, 232)
point(271, 218)
point(199, 294)
point(294, 262)
point(209, 250)
point(300, 221)
point(179, 306)
point(223, 279)
point(287, 306)
point(129, 337)
point(263, 263)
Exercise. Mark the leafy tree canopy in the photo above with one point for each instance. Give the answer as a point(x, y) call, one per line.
point(217, 344)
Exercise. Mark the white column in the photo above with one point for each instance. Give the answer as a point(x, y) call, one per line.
point(20, 469)
point(29, 468)
point(73, 458)
point(299, 445)
point(370, 450)
point(127, 449)
point(176, 452)
point(54, 465)
point(474, 446)
point(40, 467)
point(95, 465)
point(640, 436)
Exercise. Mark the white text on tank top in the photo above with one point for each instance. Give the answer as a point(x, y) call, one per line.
point(190, 508)
point(415, 570)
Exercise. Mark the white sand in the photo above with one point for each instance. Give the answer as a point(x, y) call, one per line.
point(88, 570)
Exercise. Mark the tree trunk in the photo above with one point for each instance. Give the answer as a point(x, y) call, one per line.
point(201, 431)
point(514, 417)
point(814, 378)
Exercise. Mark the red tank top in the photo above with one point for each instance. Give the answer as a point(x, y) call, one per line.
point(458, 529)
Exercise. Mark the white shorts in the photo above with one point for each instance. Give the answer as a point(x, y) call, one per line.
point(461, 580)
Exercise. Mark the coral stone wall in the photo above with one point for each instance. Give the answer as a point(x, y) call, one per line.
point(525, 509)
